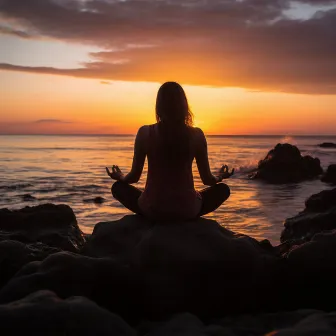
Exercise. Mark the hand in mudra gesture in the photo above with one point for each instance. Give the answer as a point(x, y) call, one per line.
point(116, 173)
point(224, 172)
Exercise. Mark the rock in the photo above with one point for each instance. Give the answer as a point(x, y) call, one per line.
point(330, 175)
point(28, 198)
point(310, 239)
point(105, 281)
point(322, 201)
point(295, 323)
point(111, 239)
point(43, 313)
point(300, 322)
point(327, 145)
point(14, 255)
point(285, 164)
point(319, 216)
point(312, 269)
point(52, 225)
point(97, 200)
point(137, 269)
point(320, 251)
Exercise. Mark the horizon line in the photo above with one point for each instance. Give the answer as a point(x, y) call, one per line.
point(209, 135)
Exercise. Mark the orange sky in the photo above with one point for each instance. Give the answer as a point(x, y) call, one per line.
point(45, 104)
point(99, 74)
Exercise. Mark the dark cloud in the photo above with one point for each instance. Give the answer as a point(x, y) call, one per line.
point(105, 83)
point(52, 121)
point(219, 42)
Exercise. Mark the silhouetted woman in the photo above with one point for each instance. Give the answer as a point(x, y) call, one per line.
point(170, 146)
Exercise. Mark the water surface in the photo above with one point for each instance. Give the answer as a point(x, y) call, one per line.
point(71, 170)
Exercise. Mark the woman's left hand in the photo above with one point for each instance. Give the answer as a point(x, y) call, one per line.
point(116, 173)
point(224, 172)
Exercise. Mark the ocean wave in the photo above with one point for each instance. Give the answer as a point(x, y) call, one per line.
point(248, 167)
point(46, 190)
point(61, 198)
point(18, 186)
point(88, 188)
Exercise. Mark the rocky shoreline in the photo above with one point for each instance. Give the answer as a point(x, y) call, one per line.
point(195, 277)
point(136, 277)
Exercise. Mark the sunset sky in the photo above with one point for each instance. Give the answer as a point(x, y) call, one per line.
point(94, 66)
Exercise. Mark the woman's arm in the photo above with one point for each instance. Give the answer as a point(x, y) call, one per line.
point(138, 161)
point(202, 161)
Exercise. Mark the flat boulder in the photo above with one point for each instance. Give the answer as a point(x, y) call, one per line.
point(183, 266)
point(318, 216)
point(52, 225)
point(285, 164)
point(330, 175)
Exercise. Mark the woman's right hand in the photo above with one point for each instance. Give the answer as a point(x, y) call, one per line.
point(116, 173)
point(224, 172)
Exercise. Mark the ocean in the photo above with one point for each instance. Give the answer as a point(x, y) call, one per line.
point(71, 170)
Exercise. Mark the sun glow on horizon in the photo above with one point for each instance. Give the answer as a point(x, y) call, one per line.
point(50, 104)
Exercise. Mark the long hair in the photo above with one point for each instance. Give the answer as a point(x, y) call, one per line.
point(175, 120)
point(172, 106)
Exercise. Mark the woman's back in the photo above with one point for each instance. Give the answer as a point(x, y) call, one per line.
point(170, 185)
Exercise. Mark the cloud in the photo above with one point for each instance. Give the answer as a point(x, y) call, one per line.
point(18, 33)
point(105, 83)
point(52, 121)
point(248, 43)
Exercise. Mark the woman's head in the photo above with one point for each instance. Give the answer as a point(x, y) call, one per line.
point(172, 105)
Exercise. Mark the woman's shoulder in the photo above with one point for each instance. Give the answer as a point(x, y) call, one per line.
point(144, 131)
point(197, 132)
point(146, 127)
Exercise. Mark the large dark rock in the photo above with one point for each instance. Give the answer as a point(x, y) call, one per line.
point(138, 269)
point(310, 241)
point(319, 216)
point(43, 313)
point(285, 164)
point(14, 255)
point(327, 145)
point(105, 281)
point(330, 175)
point(52, 225)
point(312, 272)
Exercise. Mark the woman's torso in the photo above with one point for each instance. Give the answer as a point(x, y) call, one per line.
point(169, 191)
